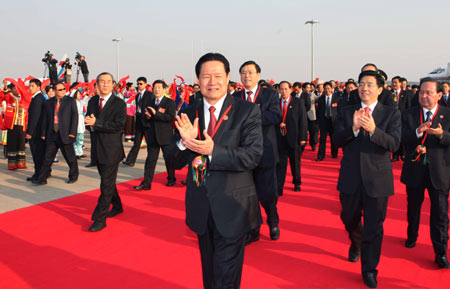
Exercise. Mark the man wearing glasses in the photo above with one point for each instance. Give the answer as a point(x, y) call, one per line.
point(143, 96)
point(60, 122)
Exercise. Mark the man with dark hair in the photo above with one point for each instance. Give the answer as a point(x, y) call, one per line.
point(159, 117)
point(231, 87)
point(220, 139)
point(386, 97)
point(84, 68)
point(108, 114)
point(346, 98)
point(403, 99)
point(310, 99)
point(290, 136)
point(327, 113)
point(143, 96)
point(445, 99)
point(403, 83)
point(265, 174)
point(34, 127)
point(59, 130)
point(196, 96)
point(368, 132)
point(426, 134)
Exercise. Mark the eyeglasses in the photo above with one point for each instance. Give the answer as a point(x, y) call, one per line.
point(140, 83)
point(61, 89)
point(248, 72)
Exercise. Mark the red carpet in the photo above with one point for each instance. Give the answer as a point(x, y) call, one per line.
point(47, 246)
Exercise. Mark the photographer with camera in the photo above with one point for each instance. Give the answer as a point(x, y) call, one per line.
point(82, 65)
point(52, 67)
point(67, 70)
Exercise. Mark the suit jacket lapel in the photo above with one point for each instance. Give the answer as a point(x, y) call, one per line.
point(228, 101)
point(377, 113)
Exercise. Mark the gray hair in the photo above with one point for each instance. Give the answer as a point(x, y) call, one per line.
point(105, 73)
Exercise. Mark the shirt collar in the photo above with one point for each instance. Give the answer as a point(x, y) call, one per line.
point(433, 110)
point(35, 94)
point(218, 105)
point(372, 106)
point(106, 98)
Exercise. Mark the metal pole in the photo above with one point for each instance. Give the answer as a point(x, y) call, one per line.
point(312, 22)
point(117, 40)
point(312, 51)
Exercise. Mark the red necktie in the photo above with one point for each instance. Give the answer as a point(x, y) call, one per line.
point(101, 104)
point(249, 94)
point(212, 121)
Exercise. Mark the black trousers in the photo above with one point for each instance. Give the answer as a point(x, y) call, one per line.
point(367, 238)
point(438, 214)
point(15, 147)
point(222, 258)
point(150, 163)
point(325, 130)
point(108, 192)
point(53, 75)
point(285, 152)
point(68, 152)
point(139, 134)
point(313, 130)
point(93, 146)
point(37, 147)
point(266, 188)
point(86, 77)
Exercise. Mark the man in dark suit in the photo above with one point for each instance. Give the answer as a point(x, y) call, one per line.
point(59, 130)
point(265, 174)
point(368, 133)
point(143, 96)
point(107, 121)
point(89, 111)
point(346, 96)
point(445, 99)
point(220, 138)
point(290, 135)
point(33, 133)
point(160, 114)
point(327, 107)
point(428, 125)
point(403, 100)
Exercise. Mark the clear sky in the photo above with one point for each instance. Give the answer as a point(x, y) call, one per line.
point(163, 38)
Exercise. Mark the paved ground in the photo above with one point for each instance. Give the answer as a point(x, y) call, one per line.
point(16, 192)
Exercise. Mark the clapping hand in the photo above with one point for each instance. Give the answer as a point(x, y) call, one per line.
point(185, 128)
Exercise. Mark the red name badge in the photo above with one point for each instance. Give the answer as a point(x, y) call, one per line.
point(334, 104)
point(161, 110)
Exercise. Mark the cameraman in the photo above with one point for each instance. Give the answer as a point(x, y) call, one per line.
point(84, 69)
point(52, 67)
point(67, 70)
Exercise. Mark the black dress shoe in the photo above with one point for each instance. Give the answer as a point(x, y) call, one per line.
point(90, 165)
point(297, 188)
point(30, 179)
point(71, 181)
point(142, 187)
point(39, 182)
point(353, 254)
point(370, 279)
point(410, 243)
point(442, 262)
point(274, 233)
point(97, 226)
point(114, 212)
point(183, 182)
point(252, 236)
point(170, 183)
point(319, 159)
point(128, 164)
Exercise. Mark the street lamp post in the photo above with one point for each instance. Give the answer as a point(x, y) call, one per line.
point(117, 40)
point(312, 22)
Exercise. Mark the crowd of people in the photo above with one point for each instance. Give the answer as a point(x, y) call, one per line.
point(236, 139)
